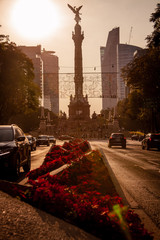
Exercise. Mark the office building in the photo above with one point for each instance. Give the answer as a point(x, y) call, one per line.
point(113, 58)
point(46, 75)
point(51, 80)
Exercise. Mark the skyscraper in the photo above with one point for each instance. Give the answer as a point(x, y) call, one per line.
point(113, 58)
point(51, 80)
point(46, 71)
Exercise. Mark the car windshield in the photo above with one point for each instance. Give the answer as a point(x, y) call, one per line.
point(6, 134)
point(117, 136)
point(42, 137)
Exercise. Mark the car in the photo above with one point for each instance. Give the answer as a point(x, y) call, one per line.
point(15, 150)
point(151, 140)
point(117, 139)
point(135, 137)
point(32, 142)
point(65, 137)
point(43, 140)
point(52, 139)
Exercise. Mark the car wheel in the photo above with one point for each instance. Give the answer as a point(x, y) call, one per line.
point(27, 166)
point(16, 167)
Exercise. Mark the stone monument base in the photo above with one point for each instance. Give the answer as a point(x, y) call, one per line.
point(79, 109)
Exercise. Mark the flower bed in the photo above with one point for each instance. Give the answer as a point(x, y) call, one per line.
point(82, 194)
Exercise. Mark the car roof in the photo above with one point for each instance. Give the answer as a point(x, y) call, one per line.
point(117, 133)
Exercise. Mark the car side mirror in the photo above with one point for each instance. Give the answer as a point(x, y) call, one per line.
point(21, 138)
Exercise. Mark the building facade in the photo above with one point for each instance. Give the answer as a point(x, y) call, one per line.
point(46, 71)
point(51, 80)
point(114, 56)
point(34, 53)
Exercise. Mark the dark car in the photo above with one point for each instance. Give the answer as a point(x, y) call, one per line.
point(151, 140)
point(32, 142)
point(65, 137)
point(52, 139)
point(15, 150)
point(135, 137)
point(117, 139)
point(43, 140)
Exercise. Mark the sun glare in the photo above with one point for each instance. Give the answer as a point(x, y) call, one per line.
point(35, 19)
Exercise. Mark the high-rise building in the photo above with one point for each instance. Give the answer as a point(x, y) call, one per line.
point(46, 70)
point(34, 53)
point(51, 80)
point(113, 58)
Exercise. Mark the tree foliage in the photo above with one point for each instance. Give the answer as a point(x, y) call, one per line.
point(143, 73)
point(131, 113)
point(18, 93)
point(153, 40)
point(142, 107)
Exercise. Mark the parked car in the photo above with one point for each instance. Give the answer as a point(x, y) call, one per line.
point(32, 142)
point(52, 139)
point(135, 137)
point(15, 150)
point(117, 139)
point(43, 140)
point(151, 140)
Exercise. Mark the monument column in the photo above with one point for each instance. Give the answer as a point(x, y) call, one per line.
point(79, 107)
point(78, 70)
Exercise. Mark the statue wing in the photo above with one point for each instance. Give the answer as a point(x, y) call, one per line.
point(79, 8)
point(71, 8)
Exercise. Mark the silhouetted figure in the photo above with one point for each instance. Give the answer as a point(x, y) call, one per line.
point(76, 11)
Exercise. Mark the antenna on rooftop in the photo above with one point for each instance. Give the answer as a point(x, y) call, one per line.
point(130, 35)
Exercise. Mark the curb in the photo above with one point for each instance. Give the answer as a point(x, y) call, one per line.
point(114, 179)
point(147, 221)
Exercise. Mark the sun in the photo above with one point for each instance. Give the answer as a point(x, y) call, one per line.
point(35, 19)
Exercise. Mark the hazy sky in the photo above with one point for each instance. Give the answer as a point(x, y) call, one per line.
point(97, 19)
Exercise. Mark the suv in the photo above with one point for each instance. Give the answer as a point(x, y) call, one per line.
point(117, 139)
point(43, 140)
point(151, 140)
point(15, 150)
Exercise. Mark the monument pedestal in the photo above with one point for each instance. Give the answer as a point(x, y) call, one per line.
point(79, 109)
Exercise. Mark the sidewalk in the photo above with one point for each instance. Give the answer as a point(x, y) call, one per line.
point(21, 221)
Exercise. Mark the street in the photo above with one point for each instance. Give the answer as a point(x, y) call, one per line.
point(138, 172)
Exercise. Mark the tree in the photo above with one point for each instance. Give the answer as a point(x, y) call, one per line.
point(153, 39)
point(18, 93)
point(143, 73)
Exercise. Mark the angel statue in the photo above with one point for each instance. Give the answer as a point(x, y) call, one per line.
point(76, 11)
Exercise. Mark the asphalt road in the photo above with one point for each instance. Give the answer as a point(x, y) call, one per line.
point(138, 172)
